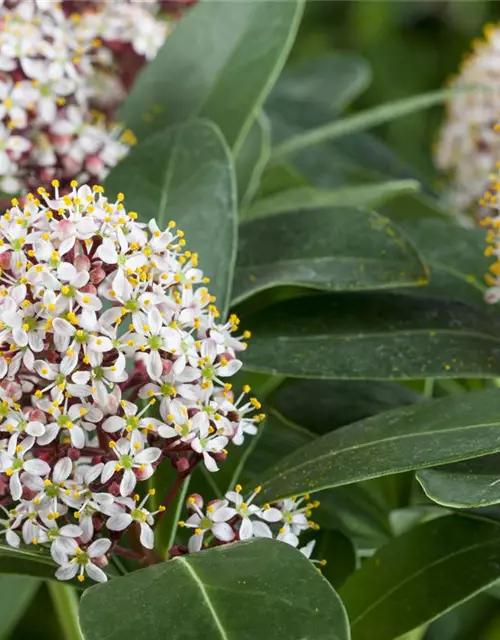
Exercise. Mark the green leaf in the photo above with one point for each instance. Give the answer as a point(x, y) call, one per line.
point(338, 249)
point(423, 435)
point(364, 120)
point(16, 593)
point(38, 563)
point(219, 63)
point(364, 195)
point(339, 553)
point(334, 80)
point(185, 173)
point(421, 575)
point(324, 405)
point(252, 159)
point(259, 588)
point(455, 257)
point(373, 335)
point(466, 484)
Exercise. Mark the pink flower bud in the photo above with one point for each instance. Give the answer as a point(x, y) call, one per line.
point(220, 456)
point(182, 465)
point(100, 561)
point(114, 489)
point(97, 275)
point(89, 288)
point(74, 453)
point(82, 263)
point(5, 259)
point(166, 366)
point(194, 499)
point(94, 165)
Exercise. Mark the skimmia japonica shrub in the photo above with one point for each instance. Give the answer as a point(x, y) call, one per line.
point(114, 361)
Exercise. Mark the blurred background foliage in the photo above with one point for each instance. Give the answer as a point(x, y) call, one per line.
point(412, 47)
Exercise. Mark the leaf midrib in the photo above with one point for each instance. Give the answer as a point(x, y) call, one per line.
point(205, 597)
point(333, 454)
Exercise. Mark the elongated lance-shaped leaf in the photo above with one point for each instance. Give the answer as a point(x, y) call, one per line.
point(16, 594)
point(374, 335)
point(420, 575)
point(338, 249)
point(364, 120)
point(252, 158)
point(186, 174)
point(364, 195)
point(258, 588)
point(219, 49)
point(423, 435)
point(466, 484)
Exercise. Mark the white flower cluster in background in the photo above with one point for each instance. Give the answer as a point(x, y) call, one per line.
point(112, 361)
point(64, 68)
point(236, 518)
point(468, 146)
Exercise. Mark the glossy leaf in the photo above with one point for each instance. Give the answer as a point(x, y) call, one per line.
point(455, 257)
point(334, 80)
point(323, 405)
point(216, 47)
point(26, 562)
point(369, 195)
point(185, 174)
point(16, 593)
point(245, 590)
point(373, 335)
point(466, 484)
point(252, 159)
point(339, 553)
point(423, 435)
point(364, 120)
point(421, 575)
point(338, 249)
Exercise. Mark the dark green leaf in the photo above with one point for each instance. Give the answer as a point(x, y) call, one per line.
point(16, 593)
point(185, 173)
point(337, 249)
point(363, 195)
point(354, 509)
point(339, 553)
point(373, 335)
point(467, 484)
point(323, 405)
point(252, 158)
point(423, 435)
point(421, 575)
point(455, 257)
point(259, 588)
point(334, 80)
point(219, 49)
point(364, 120)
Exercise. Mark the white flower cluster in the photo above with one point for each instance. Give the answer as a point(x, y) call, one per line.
point(236, 518)
point(112, 361)
point(468, 147)
point(56, 66)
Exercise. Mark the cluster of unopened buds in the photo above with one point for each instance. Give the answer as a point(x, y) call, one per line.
point(468, 146)
point(64, 68)
point(113, 361)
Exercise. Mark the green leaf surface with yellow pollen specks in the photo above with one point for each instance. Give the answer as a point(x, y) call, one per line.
point(336, 249)
point(186, 174)
point(259, 588)
point(373, 335)
point(216, 47)
point(466, 484)
point(420, 575)
point(414, 437)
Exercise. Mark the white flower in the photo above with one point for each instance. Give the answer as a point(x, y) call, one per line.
point(135, 513)
point(215, 520)
point(12, 463)
point(83, 562)
point(130, 457)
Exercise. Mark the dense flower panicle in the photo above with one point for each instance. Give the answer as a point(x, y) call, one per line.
point(112, 361)
point(490, 203)
point(64, 68)
point(468, 147)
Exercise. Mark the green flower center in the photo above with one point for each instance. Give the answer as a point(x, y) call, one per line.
point(155, 342)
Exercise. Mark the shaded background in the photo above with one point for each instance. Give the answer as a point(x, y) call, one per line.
point(412, 46)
